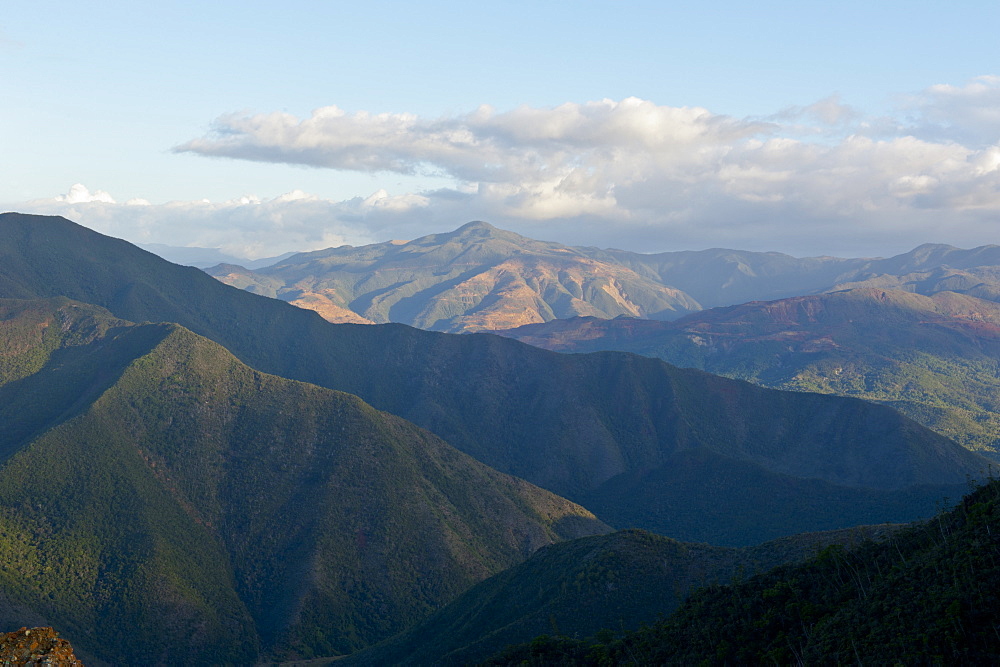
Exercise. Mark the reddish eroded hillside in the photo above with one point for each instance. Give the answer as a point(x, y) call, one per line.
point(37, 646)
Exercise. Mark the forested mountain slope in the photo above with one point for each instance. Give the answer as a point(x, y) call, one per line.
point(936, 358)
point(928, 594)
point(161, 502)
point(579, 425)
point(578, 588)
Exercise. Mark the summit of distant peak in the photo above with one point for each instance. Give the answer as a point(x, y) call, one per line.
point(477, 225)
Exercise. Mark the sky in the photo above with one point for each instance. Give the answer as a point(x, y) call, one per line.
point(848, 128)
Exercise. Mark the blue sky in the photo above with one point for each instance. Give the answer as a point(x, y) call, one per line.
point(813, 128)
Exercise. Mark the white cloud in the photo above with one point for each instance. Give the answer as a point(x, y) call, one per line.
point(633, 158)
point(381, 200)
point(79, 194)
point(248, 227)
point(821, 178)
point(968, 114)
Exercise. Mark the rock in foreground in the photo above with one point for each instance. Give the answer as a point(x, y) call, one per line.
point(37, 646)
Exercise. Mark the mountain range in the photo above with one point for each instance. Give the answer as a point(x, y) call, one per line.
point(480, 278)
point(587, 427)
point(935, 358)
point(181, 470)
point(477, 277)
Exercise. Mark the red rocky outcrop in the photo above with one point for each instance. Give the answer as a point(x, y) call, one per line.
point(37, 646)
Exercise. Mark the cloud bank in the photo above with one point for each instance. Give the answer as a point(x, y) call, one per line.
point(822, 178)
point(247, 227)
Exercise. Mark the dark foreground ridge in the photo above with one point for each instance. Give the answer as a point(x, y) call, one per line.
point(929, 594)
point(587, 586)
point(165, 504)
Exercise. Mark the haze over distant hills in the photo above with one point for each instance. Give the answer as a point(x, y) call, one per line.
point(608, 429)
point(483, 278)
point(206, 257)
point(162, 496)
point(450, 282)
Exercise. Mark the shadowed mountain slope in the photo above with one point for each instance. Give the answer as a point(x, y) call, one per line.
point(928, 593)
point(188, 509)
point(937, 358)
point(569, 423)
point(579, 587)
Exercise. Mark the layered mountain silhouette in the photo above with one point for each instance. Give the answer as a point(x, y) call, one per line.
point(607, 429)
point(182, 478)
point(482, 278)
point(206, 257)
point(580, 587)
point(925, 593)
point(161, 502)
point(936, 358)
point(719, 277)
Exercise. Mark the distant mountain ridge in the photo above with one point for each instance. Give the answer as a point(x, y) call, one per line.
point(583, 426)
point(936, 358)
point(720, 277)
point(206, 257)
point(479, 278)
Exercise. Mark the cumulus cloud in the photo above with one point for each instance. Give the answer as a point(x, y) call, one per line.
point(79, 194)
point(820, 178)
point(543, 145)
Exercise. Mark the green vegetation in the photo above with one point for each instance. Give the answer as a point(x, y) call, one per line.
point(161, 501)
point(935, 359)
point(700, 496)
point(183, 508)
point(580, 587)
point(924, 595)
point(569, 423)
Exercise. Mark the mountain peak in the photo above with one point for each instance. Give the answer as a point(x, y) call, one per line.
point(476, 226)
point(476, 233)
point(927, 247)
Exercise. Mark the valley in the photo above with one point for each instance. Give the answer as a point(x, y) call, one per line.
point(300, 489)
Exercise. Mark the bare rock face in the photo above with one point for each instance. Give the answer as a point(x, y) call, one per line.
point(37, 646)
